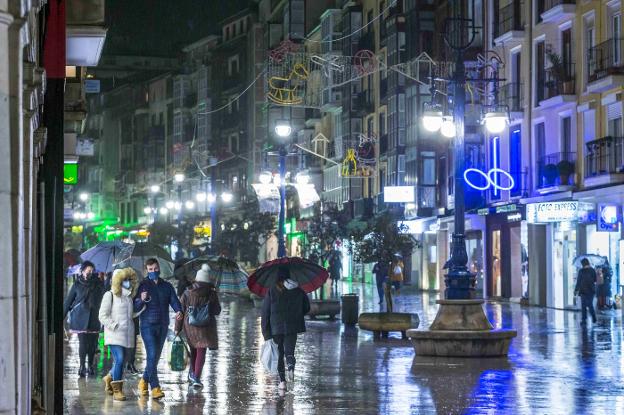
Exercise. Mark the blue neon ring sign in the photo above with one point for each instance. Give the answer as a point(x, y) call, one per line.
point(490, 179)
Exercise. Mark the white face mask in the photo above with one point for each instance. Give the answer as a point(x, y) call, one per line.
point(126, 284)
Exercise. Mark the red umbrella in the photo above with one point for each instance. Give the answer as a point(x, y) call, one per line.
point(308, 275)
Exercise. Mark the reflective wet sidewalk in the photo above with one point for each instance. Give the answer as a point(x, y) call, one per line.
point(554, 367)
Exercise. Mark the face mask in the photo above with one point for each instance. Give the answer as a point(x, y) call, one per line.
point(153, 275)
point(126, 284)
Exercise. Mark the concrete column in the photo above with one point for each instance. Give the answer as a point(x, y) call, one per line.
point(537, 264)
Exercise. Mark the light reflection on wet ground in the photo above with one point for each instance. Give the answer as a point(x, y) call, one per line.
point(554, 367)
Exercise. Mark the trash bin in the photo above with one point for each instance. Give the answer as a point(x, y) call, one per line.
point(350, 308)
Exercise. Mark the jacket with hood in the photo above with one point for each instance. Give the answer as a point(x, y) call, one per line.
point(83, 300)
point(197, 295)
point(283, 311)
point(117, 310)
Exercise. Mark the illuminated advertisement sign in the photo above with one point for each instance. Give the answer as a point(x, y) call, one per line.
point(399, 194)
point(607, 218)
point(70, 173)
point(550, 212)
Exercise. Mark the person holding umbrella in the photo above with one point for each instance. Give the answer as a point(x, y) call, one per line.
point(200, 305)
point(283, 311)
point(82, 304)
point(156, 295)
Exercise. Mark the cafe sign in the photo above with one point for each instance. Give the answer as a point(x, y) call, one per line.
point(550, 212)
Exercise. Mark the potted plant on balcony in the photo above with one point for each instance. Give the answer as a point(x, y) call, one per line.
point(550, 174)
point(565, 169)
point(562, 82)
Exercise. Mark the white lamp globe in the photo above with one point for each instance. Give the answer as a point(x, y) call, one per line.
point(189, 204)
point(155, 188)
point(432, 121)
point(179, 177)
point(83, 196)
point(201, 197)
point(147, 210)
point(227, 197)
point(448, 128)
point(283, 129)
point(163, 210)
point(495, 122)
point(170, 204)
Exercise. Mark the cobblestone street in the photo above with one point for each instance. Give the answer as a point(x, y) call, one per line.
point(554, 367)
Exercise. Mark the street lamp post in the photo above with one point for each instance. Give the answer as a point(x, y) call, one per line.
point(282, 130)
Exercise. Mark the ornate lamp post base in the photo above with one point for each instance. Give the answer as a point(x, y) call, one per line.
point(461, 329)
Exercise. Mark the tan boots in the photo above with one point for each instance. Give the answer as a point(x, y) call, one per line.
point(143, 388)
point(107, 384)
point(118, 394)
point(157, 393)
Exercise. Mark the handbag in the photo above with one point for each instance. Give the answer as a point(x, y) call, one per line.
point(269, 356)
point(178, 355)
point(199, 316)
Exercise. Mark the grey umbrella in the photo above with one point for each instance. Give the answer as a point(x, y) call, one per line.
point(105, 254)
point(594, 260)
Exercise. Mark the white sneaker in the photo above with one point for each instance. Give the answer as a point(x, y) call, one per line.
point(282, 386)
point(290, 375)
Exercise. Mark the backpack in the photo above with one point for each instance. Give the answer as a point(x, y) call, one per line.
point(199, 316)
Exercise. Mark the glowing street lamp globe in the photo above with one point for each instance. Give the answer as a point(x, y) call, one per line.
point(189, 204)
point(83, 196)
point(495, 122)
point(448, 128)
point(170, 204)
point(155, 188)
point(283, 129)
point(432, 120)
point(163, 211)
point(201, 197)
point(227, 197)
point(179, 177)
point(147, 210)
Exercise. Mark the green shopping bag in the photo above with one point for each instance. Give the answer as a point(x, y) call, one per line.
point(178, 355)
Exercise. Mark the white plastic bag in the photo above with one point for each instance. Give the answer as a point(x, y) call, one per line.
point(269, 356)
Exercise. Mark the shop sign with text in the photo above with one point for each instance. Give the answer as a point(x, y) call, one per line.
point(550, 212)
point(608, 218)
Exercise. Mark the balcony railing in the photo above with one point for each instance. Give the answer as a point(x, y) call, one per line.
point(604, 156)
point(605, 59)
point(557, 81)
point(555, 169)
point(511, 95)
point(549, 4)
point(509, 18)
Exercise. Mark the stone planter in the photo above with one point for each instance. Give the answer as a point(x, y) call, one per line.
point(382, 323)
point(461, 329)
point(329, 308)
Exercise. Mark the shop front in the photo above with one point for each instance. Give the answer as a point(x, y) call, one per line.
point(507, 253)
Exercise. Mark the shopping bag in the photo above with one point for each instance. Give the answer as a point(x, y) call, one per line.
point(269, 355)
point(178, 355)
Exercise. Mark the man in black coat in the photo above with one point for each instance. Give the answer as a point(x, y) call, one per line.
point(586, 288)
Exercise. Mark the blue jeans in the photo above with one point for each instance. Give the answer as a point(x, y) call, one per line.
point(587, 302)
point(118, 353)
point(154, 337)
point(380, 288)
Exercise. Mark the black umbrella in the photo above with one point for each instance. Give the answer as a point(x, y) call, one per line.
point(307, 274)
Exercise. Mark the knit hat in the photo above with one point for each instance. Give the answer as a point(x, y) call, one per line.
point(202, 275)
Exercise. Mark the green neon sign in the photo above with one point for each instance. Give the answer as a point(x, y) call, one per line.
point(70, 173)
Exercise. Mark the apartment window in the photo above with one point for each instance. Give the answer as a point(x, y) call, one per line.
point(540, 62)
point(540, 141)
point(382, 124)
point(616, 31)
point(566, 137)
point(589, 126)
point(370, 126)
point(566, 49)
point(227, 32)
point(233, 67)
point(233, 143)
point(515, 159)
point(614, 120)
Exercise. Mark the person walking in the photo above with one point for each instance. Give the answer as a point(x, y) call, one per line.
point(396, 273)
point(82, 304)
point(200, 306)
point(283, 311)
point(335, 268)
point(586, 288)
point(157, 295)
point(380, 269)
point(117, 315)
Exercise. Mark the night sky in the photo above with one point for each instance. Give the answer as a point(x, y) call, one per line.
point(162, 27)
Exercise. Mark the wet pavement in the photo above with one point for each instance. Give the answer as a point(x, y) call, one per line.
point(554, 367)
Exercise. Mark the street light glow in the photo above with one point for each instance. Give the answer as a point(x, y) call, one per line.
point(265, 177)
point(170, 204)
point(90, 215)
point(212, 198)
point(155, 188)
point(179, 177)
point(283, 129)
point(432, 120)
point(83, 196)
point(164, 211)
point(495, 122)
point(201, 197)
point(147, 210)
point(448, 128)
point(227, 197)
point(77, 215)
point(177, 206)
point(189, 204)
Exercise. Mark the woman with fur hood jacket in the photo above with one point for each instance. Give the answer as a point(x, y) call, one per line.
point(117, 314)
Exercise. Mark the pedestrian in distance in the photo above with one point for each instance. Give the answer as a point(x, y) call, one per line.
point(586, 288)
point(157, 295)
point(117, 314)
point(82, 304)
point(200, 306)
point(283, 311)
point(380, 269)
point(396, 273)
point(335, 268)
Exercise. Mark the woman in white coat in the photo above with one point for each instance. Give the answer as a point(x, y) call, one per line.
point(116, 314)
